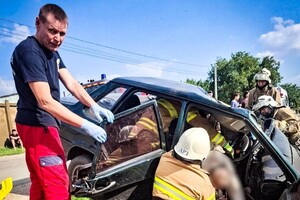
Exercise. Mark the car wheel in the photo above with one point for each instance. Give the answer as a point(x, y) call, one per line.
point(75, 175)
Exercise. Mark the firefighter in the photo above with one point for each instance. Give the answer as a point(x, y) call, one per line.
point(138, 139)
point(285, 118)
point(169, 111)
point(178, 175)
point(263, 87)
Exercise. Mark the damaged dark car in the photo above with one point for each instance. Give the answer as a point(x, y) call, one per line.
point(124, 167)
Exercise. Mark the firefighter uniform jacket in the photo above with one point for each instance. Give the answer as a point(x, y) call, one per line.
point(169, 111)
point(288, 122)
point(268, 90)
point(175, 179)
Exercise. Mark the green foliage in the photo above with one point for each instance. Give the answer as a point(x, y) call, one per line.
point(236, 74)
point(204, 84)
point(294, 94)
point(271, 64)
point(79, 198)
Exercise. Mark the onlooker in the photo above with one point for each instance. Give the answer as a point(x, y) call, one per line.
point(179, 174)
point(235, 101)
point(286, 119)
point(15, 139)
point(263, 87)
point(244, 100)
point(210, 93)
point(37, 68)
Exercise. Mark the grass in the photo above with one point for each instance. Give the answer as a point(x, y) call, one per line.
point(79, 198)
point(10, 151)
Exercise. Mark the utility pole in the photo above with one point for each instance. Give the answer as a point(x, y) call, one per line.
point(215, 80)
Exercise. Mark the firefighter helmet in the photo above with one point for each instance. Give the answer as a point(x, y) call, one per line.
point(266, 71)
point(261, 76)
point(263, 101)
point(194, 144)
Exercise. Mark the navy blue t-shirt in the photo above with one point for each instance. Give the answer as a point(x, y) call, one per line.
point(31, 62)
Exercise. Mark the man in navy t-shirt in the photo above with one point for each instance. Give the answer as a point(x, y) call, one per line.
point(37, 68)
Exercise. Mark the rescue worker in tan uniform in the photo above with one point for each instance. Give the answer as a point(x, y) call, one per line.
point(179, 174)
point(263, 87)
point(286, 120)
point(169, 111)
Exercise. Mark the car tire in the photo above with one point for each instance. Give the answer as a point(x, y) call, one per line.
point(74, 165)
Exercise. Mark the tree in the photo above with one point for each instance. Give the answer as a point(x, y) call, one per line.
point(204, 84)
point(236, 74)
point(294, 94)
point(271, 64)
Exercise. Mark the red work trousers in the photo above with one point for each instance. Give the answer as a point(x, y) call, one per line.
point(46, 162)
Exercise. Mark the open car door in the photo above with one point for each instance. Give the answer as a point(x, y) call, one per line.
point(131, 153)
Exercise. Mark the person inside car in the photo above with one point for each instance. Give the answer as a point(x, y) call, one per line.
point(169, 111)
point(263, 87)
point(179, 174)
point(223, 176)
point(285, 118)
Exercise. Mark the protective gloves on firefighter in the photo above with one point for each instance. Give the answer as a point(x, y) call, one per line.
point(94, 131)
point(97, 111)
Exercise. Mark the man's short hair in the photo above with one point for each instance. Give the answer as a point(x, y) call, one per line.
point(57, 11)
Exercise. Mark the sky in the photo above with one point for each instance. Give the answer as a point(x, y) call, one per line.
point(171, 39)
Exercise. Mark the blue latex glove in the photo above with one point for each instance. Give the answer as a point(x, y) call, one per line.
point(98, 110)
point(94, 131)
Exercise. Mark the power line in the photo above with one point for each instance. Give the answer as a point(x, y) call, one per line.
point(116, 49)
point(12, 33)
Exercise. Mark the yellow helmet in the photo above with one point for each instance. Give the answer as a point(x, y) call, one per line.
point(194, 144)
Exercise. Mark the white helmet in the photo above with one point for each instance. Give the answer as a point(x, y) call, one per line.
point(194, 144)
point(266, 71)
point(263, 101)
point(261, 76)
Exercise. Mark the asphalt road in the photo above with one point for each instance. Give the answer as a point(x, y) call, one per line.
point(15, 166)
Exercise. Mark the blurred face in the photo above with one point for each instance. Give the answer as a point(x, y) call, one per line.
point(265, 111)
point(51, 33)
point(261, 83)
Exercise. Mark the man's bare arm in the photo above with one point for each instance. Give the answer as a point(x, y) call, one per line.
point(75, 88)
point(41, 91)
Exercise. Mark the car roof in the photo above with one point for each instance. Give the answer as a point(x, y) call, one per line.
point(169, 87)
point(173, 88)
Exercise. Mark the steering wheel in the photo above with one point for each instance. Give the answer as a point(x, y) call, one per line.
point(242, 146)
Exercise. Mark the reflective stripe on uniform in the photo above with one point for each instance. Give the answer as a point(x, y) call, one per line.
point(218, 138)
point(192, 115)
point(149, 124)
point(169, 107)
point(229, 148)
point(155, 145)
point(170, 190)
